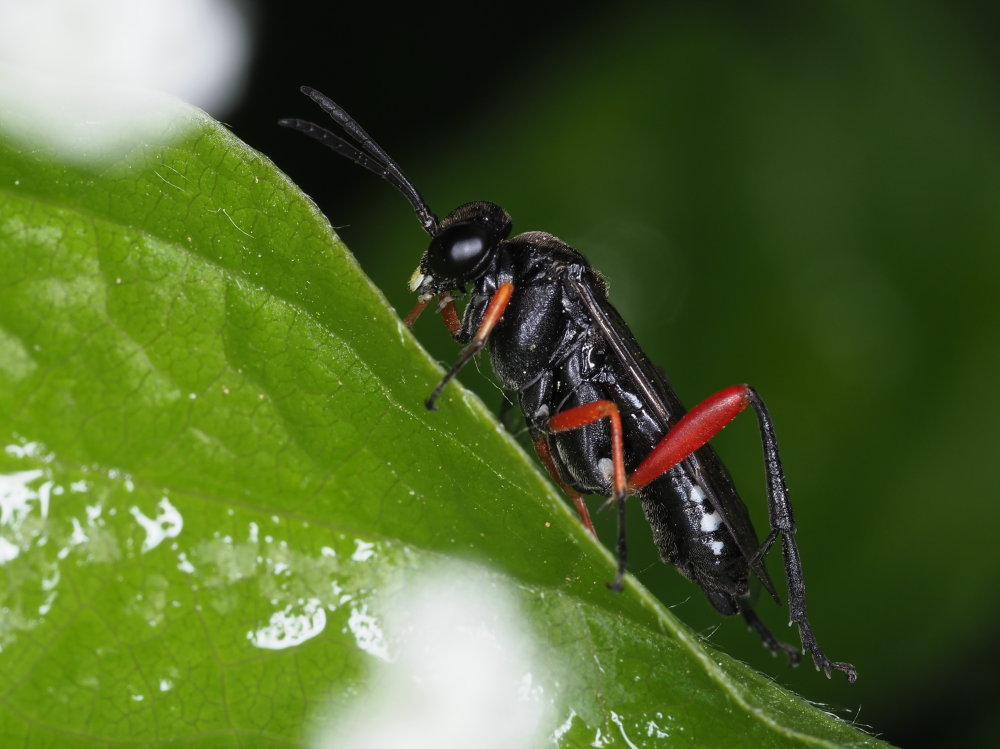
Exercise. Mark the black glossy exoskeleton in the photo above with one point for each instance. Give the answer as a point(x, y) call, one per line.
point(603, 418)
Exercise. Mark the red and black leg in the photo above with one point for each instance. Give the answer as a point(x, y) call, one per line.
point(494, 311)
point(696, 428)
point(581, 416)
point(771, 642)
point(545, 455)
point(446, 306)
point(691, 432)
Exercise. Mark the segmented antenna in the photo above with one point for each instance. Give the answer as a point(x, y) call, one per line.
point(370, 155)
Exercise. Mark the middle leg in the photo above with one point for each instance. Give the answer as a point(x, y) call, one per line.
point(589, 413)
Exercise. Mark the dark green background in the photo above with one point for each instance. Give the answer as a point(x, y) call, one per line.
point(806, 200)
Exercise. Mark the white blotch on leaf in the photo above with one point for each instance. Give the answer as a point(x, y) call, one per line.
point(167, 524)
point(367, 633)
point(363, 551)
point(293, 625)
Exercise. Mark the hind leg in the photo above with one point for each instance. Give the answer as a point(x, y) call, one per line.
point(771, 642)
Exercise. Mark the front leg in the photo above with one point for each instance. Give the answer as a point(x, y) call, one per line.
point(494, 311)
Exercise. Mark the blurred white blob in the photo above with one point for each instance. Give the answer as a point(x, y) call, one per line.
point(72, 69)
point(463, 672)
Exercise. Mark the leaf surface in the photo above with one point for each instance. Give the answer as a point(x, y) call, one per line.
point(217, 458)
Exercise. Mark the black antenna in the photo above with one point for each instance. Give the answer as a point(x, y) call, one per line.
point(372, 157)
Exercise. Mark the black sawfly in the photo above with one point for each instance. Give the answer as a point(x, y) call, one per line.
point(602, 417)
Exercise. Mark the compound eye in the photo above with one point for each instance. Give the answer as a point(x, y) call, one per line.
point(459, 252)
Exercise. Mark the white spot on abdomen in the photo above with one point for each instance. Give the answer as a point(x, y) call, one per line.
point(607, 469)
point(710, 522)
point(696, 495)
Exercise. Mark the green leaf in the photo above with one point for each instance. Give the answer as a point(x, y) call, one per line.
point(218, 470)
